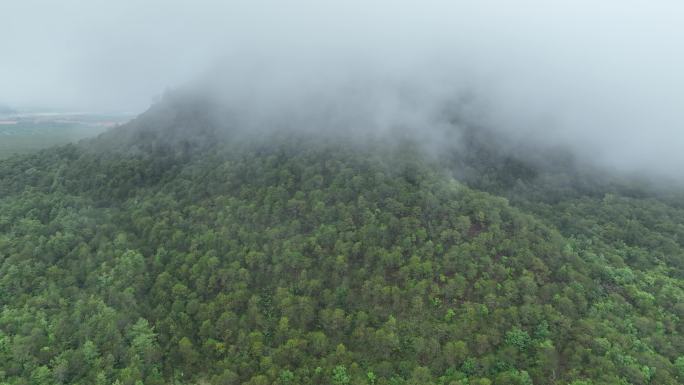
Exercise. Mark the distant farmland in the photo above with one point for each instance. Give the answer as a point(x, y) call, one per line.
point(31, 132)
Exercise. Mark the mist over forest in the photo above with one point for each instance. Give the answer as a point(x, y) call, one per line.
point(599, 78)
point(347, 193)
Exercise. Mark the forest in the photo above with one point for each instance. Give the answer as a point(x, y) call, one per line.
point(168, 251)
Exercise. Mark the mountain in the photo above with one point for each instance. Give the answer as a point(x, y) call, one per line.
point(175, 249)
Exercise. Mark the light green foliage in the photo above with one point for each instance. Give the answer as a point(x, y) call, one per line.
point(287, 378)
point(679, 364)
point(518, 338)
point(371, 377)
point(340, 376)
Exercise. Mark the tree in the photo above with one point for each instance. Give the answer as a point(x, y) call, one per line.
point(340, 376)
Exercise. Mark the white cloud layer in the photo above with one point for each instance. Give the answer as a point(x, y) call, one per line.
point(604, 77)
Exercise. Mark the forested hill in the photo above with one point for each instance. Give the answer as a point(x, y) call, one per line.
point(171, 251)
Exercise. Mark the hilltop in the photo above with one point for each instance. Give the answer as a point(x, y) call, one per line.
point(183, 248)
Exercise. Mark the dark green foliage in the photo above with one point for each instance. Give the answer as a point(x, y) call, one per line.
point(305, 260)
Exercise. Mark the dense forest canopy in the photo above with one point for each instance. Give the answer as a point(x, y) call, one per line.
point(172, 250)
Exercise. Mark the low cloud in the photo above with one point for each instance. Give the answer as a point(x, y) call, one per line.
point(602, 78)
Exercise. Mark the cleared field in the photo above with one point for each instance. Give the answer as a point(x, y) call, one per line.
point(26, 134)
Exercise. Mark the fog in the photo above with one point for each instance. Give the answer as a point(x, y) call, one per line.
point(604, 78)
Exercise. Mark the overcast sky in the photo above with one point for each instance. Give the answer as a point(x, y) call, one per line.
point(602, 75)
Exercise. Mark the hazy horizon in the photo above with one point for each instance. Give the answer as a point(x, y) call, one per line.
point(603, 79)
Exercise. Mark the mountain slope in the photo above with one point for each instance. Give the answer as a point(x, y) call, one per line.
point(153, 256)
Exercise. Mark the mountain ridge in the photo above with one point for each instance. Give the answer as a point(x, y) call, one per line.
point(173, 249)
